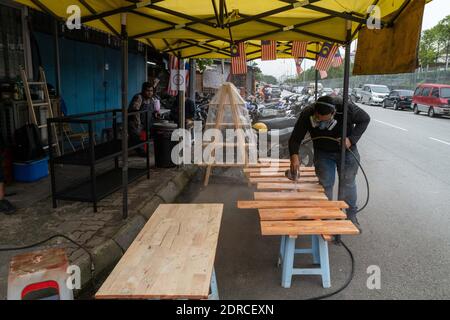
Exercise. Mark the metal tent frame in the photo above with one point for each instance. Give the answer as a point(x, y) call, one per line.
point(212, 44)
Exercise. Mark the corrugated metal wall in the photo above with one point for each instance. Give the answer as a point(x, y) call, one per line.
point(86, 84)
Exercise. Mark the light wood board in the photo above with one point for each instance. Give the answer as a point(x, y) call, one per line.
point(272, 160)
point(275, 169)
point(272, 164)
point(269, 174)
point(297, 228)
point(260, 204)
point(283, 180)
point(293, 195)
point(290, 186)
point(171, 258)
point(300, 214)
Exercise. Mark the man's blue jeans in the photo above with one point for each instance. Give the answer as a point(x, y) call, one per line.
point(326, 164)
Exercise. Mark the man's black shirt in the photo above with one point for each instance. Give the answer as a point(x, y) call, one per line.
point(357, 123)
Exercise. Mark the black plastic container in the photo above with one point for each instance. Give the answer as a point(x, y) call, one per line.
point(162, 133)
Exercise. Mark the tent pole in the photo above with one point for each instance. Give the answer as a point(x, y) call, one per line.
point(316, 89)
point(124, 36)
point(316, 76)
point(345, 111)
point(57, 60)
point(192, 78)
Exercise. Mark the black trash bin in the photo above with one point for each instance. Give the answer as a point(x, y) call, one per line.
point(163, 145)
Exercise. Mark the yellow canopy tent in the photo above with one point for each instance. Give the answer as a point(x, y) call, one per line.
point(204, 28)
point(207, 28)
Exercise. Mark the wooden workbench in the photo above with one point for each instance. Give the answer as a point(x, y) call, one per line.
point(171, 258)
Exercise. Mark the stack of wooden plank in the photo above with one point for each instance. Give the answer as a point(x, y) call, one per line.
point(292, 209)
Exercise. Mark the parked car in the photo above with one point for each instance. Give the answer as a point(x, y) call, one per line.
point(374, 94)
point(356, 94)
point(434, 99)
point(399, 99)
point(327, 92)
point(298, 89)
point(276, 92)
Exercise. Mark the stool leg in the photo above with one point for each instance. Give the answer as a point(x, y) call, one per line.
point(282, 246)
point(288, 262)
point(214, 290)
point(315, 249)
point(324, 263)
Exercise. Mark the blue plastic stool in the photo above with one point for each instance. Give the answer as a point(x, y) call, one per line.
point(319, 251)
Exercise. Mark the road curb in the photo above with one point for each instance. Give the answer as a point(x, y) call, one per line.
point(109, 253)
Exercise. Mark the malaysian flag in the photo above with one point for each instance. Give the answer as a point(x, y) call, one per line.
point(173, 67)
point(268, 50)
point(298, 65)
point(299, 49)
point(323, 74)
point(326, 55)
point(337, 60)
point(238, 59)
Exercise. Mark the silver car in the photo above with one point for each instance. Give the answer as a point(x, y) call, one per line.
point(374, 94)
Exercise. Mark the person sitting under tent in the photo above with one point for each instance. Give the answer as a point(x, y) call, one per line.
point(145, 100)
point(189, 110)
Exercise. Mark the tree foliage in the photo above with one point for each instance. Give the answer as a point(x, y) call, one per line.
point(435, 43)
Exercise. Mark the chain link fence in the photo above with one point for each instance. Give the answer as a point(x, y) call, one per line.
point(393, 81)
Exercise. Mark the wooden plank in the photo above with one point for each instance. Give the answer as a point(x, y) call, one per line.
point(275, 204)
point(327, 238)
point(171, 258)
point(283, 180)
point(263, 174)
point(294, 195)
point(300, 214)
point(296, 228)
point(276, 169)
point(290, 186)
point(264, 160)
point(268, 164)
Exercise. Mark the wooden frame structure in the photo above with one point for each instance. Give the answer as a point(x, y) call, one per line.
point(226, 100)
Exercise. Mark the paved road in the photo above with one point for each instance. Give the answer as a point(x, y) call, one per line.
point(406, 225)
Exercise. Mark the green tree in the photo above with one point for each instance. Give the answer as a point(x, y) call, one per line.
point(435, 43)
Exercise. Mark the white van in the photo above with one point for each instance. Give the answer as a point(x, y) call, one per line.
point(374, 94)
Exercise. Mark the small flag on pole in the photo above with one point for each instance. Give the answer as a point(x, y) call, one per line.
point(238, 59)
point(323, 74)
point(299, 49)
point(269, 50)
point(337, 60)
point(298, 65)
point(326, 56)
point(173, 67)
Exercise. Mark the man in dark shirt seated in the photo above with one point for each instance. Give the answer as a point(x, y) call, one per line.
point(189, 110)
point(325, 119)
point(5, 206)
point(136, 124)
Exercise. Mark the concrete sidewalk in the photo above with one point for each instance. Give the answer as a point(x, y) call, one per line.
point(105, 234)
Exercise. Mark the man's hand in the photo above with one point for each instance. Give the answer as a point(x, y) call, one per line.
point(348, 143)
point(295, 163)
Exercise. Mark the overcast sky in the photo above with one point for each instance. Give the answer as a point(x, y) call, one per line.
point(435, 11)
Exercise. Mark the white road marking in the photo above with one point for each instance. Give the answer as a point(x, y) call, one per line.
point(444, 142)
point(390, 125)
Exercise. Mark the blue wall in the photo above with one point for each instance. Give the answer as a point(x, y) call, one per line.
point(83, 74)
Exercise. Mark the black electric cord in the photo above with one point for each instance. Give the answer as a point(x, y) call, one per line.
point(357, 161)
point(91, 258)
point(347, 282)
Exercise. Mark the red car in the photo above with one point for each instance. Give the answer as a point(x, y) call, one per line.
point(434, 99)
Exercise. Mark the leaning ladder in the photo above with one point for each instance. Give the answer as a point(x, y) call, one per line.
point(45, 103)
